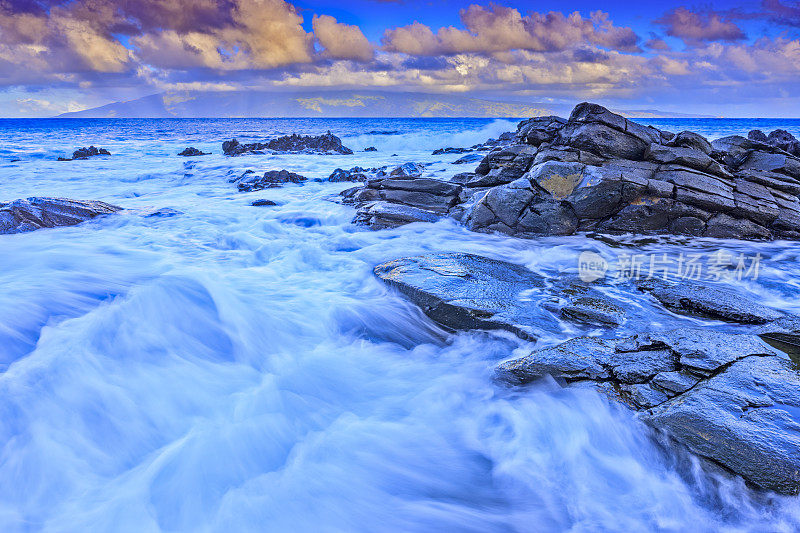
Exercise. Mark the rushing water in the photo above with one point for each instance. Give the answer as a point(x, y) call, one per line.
point(237, 368)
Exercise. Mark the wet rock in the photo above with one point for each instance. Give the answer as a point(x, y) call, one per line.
point(690, 139)
point(596, 311)
point(271, 179)
point(708, 300)
point(406, 170)
point(290, 144)
point(451, 150)
point(354, 174)
point(415, 199)
point(746, 418)
point(464, 291)
point(370, 149)
point(36, 213)
point(674, 382)
point(728, 398)
point(643, 395)
point(470, 158)
point(599, 172)
point(538, 130)
point(263, 203)
point(494, 294)
point(192, 152)
point(383, 215)
point(86, 153)
point(575, 359)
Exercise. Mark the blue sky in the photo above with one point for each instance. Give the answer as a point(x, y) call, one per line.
point(718, 58)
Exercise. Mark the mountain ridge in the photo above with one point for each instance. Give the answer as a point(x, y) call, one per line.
point(328, 104)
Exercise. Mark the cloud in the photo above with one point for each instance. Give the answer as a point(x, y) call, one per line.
point(698, 27)
point(342, 41)
point(498, 28)
point(780, 13)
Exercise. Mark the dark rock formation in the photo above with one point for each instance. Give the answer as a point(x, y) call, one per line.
point(36, 213)
point(710, 301)
point(290, 144)
point(779, 138)
point(370, 149)
point(729, 398)
point(192, 152)
point(465, 291)
point(397, 196)
point(250, 181)
point(263, 203)
point(355, 174)
point(452, 150)
point(86, 153)
point(599, 172)
point(469, 158)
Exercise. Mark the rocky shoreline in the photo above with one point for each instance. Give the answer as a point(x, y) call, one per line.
point(729, 393)
point(600, 172)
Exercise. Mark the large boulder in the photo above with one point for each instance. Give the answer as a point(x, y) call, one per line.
point(36, 213)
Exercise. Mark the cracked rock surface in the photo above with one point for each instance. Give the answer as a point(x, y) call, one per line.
point(726, 395)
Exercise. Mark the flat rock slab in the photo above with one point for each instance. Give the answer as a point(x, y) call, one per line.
point(730, 398)
point(747, 418)
point(465, 291)
point(709, 301)
point(37, 213)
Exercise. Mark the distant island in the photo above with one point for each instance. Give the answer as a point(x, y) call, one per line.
point(331, 104)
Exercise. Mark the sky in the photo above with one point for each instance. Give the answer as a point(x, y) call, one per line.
point(724, 58)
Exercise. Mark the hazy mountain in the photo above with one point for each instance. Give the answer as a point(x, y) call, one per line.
point(235, 104)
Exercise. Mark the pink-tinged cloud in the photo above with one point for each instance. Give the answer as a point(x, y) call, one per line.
point(499, 29)
point(698, 27)
point(341, 41)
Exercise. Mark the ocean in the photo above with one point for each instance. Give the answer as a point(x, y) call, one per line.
point(239, 368)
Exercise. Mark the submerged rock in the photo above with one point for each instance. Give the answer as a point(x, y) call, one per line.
point(291, 144)
point(86, 153)
point(192, 152)
point(36, 213)
point(250, 181)
point(263, 203)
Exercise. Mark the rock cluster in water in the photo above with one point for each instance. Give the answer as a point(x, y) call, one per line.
point(36, 213)
point(502, 140)
point(192, 152)
point(86, 153)
point(250, 181)
point(598, 171)
point(728, 396)
point(290, 144)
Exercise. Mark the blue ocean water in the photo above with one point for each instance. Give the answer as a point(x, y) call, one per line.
point(236, 368)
